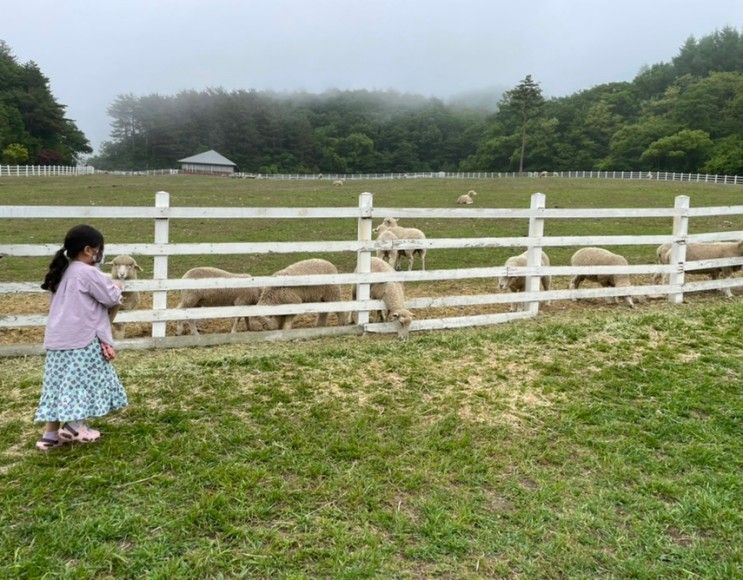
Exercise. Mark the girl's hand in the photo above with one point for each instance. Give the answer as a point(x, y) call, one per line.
point(108, 351)
point(119, 284)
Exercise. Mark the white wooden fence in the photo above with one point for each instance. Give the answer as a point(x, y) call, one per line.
point(52, 170)
point(363, 246)
point(44, 170)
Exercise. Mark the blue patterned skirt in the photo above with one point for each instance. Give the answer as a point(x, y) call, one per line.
point(79, 383)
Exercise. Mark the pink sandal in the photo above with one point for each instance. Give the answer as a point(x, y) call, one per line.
point(45, 444)
point(82, 434)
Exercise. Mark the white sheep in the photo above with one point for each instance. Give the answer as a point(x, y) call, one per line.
point(601, 257)
point(387, 255)
point(274, 295)
point(197, 298)
point(518, 283)
point(390, 224)
point(124, 267)
point(467, 198)
point(544, 174)
point(338, 182)
point(707, 251)
point(393, 295)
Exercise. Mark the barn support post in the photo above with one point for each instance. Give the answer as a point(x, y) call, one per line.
point(363, 259)
point(534, 253)
point(678, 247)
point(160, 263)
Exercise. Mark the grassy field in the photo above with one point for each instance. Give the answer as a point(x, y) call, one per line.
point(194, 191)
point(559, 447)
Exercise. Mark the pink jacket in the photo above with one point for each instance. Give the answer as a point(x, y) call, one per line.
point(79, 308)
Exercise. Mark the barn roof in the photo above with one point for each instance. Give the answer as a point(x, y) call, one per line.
point(210, 157)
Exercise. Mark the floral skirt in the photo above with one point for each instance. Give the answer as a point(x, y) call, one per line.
point(79, 383)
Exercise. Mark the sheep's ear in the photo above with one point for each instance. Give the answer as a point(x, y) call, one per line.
point(109, 263)
point(137, 266)
point(394, 316)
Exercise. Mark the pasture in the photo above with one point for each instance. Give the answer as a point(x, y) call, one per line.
point(204, 191)
point(590, 441)
point(557, 447)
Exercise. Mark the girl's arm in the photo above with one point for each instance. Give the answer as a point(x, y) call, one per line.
point(102, 288)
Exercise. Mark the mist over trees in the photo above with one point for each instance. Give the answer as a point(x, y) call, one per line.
point(684, 115)
point(33, 126)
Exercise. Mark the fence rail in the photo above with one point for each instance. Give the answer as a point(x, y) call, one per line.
point(363, 246)
point(54, 170)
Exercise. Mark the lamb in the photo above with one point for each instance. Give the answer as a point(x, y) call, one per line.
point(274, 295)
point(390, 224)
point(601, 257)
point(124, 267)
point(338, 182)
point(387, 255)
point(467, 198)
point(197, 298)
point(708, 251)
point(393, 295)
point(518, 283)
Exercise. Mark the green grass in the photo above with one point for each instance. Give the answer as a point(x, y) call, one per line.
point(559, 447)
point(206, 191)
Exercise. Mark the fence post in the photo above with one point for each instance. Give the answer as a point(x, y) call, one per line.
point(534, 253)
point(363, 259)
point(160, 263)
point(678, 247)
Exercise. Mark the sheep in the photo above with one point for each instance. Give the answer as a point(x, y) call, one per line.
point(518, 283)
point(544, 174)
point(601, 257)
point(124, 267)
point(390, 224)
point(338, 182)
point(387, 255)
point(467, 198)
point(274, 295)
point(708, 251)
point(197, 298)
point(393, 295)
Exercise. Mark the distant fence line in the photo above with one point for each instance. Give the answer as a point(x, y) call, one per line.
point(54, 170)
point(363, 246)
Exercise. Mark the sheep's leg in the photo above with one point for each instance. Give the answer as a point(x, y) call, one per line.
point(575, 284)
point(235, 324)
point(546, 281)
point(411, 260)
point(322, 319)
point(628, 300)
point(423, 260)
point(287, 323)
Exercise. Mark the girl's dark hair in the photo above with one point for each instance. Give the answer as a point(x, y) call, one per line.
point(74, 243)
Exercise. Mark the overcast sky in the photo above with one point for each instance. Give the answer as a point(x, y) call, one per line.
point(93, 50)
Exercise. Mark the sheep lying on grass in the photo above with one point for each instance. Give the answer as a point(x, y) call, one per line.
point(198, 298)
point(390, 224)
point(602, 257)
point(393, 295)
point(708, 251)
point(467, 198)
point(518, 283)
point(338, 182)
point(274, 295)
point(123, 268)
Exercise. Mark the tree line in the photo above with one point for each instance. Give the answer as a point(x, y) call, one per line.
point(682, 115)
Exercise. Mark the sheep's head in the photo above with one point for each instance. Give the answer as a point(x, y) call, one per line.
point(503, 282)
point(124, 267)
point(405, 318)
point(381, 228)
point(471, 192)
point(390, 222)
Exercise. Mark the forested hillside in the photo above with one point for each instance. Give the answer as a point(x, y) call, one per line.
point(33, 127)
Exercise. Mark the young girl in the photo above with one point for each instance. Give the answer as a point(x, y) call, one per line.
point(79, 379)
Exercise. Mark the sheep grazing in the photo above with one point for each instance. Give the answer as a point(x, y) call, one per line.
point(467, 198)
point(274, 295)
point(393, 295)
point(123, 268)
point(390, 224)
point(708, 251)
point(518, 283)
point(338, 182)
point(601, 257)
point(198, 298)
point(390, 255)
